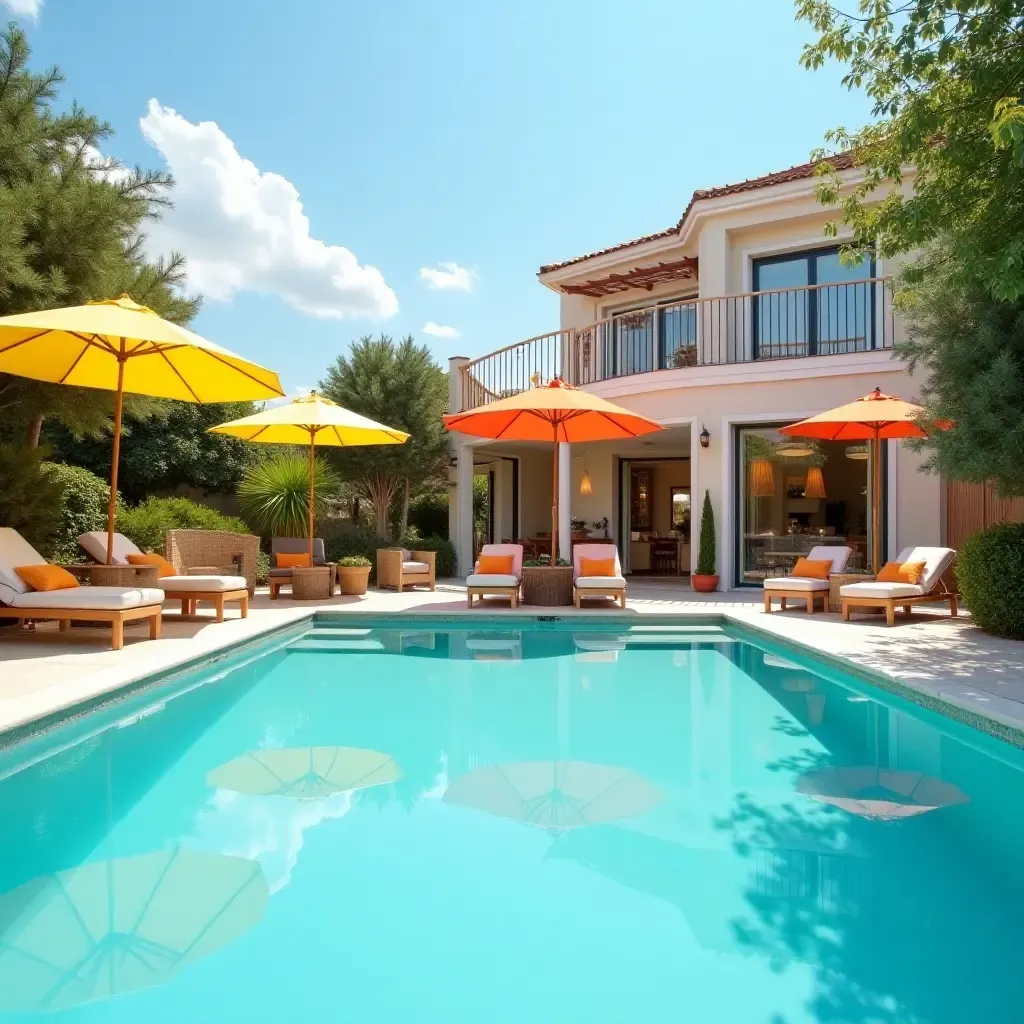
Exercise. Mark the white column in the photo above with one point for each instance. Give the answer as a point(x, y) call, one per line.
point(463, 499)
point(502, 514)
point(565, 501)
point(455, 382)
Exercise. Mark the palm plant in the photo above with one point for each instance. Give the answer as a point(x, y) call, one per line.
point(274, 494)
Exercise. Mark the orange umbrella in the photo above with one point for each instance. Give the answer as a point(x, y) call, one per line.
point(557, 412)
point(875, 418)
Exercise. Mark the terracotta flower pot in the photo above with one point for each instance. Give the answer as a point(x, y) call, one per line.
point(704, 584)
point(353, 579)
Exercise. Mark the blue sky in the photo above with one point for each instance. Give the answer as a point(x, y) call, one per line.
point(492, 136)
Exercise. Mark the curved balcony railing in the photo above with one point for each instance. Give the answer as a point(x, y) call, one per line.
point(786, 323)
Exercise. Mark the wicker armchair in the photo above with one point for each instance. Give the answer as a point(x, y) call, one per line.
point(213, 552)
point(400, 568)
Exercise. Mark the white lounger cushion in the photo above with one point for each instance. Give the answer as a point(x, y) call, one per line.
point(492, 580)
point(936, 562)
point(794, 583)
point(834, 553)
point(411, 568)
point(15, 551)
point(90, 598)
point(881, 590)
point(94, 544)
point(515, 550)
point(209, 584)
point(601, 583)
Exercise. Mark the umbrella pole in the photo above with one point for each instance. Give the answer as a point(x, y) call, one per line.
point(554, 500)
point(116, 456)
point(876, 503)
point(312, 470)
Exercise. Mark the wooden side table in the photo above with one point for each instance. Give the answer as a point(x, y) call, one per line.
point(840, 579)
point(549, 585)
point(98, 575)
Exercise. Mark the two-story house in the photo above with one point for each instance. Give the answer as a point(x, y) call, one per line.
point(736, 320)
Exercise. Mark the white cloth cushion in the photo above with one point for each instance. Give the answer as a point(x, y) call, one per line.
point(833, 553)
point(410, 568)
point(601, 582)
point(406, 555)
point(515, 550)
point(15, 551)
point(594, 551)
point(108, 598)
point(210, 584)
point(794, 583)
point(492, 580)
point(94, 544)
point(936, 562)
point(881, 590)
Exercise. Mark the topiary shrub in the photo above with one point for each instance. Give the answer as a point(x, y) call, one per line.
point(147, 524)
point(990, 571)
point(706, 551)
point(83, 507)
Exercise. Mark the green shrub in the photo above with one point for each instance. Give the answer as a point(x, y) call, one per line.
point(428, 514)
point(147, 524)
point(274, 494)
point(445, 564)
point(990, 571)
point(83, 507)
point(355, 562)
point(262, 566)
point(29, 496)
point(545, 561)
point(342, 544)
point(706, 551)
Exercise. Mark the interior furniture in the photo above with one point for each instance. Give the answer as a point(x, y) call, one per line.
point(112, 605)
point(400, 568)
point(930, 588)
point(809, 591)
point(233, 554)
point(665, 555)
point(640, 489)
point(597, 586)
point(480, 585)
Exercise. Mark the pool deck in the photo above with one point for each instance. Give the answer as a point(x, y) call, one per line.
point(947, 661)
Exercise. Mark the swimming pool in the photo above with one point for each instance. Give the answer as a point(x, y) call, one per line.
point(523, 821)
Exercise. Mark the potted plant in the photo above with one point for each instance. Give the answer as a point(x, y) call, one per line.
point(579, 528)
point(354, 574)
point(545, 583)
point(705, 580)
point(601, 524)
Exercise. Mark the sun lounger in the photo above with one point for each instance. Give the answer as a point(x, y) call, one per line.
point(189, 589)
point(114, 605)
point(497, 584)
point(584, 587)
point(803, 589)
point(889, 596)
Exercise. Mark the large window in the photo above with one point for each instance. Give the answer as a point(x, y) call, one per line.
point(813, 305)
point(651, 338)
point(795, 495)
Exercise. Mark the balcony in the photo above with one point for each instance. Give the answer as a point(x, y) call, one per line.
point(793, 323)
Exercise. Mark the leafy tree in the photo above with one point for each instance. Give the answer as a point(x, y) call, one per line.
point(946, 78)
point(70, 231)
point(30, 498)
point(971, 347)
point(275, 494)
point(169, 449)
point(401, 386)
point(82, 507)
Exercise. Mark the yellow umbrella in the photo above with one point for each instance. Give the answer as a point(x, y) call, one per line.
point(311, 420)
point(305, 773)
point(118, 345)
point(120, 925)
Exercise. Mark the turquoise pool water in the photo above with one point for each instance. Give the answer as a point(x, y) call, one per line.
point(419, 823)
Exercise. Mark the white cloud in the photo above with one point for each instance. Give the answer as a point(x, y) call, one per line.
point(449, 277)
point(243, 229)
point(30, 8)
point(104, 166)
point(439, 330)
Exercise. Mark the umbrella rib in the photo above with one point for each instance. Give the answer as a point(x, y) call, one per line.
point(500, 433)
point(341, 440)
point(71, 368)
point(257, 871)
point(25, 341)
point(96, 340)
point(160, 881)
point(238, 369)
point(177, 372)
point(258, 432)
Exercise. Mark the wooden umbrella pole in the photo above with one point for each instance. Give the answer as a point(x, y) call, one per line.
point(115, 457)
point(876, 503)
point(312, 471)
point(554, 500)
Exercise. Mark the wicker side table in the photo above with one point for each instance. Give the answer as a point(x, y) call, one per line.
point(313, 582)
point(549, 585)
point(117, 575)
point(840, 579)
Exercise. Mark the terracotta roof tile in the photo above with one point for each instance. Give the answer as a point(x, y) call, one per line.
point(841, 163)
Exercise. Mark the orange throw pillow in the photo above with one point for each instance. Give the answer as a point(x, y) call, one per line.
point(163, 566)
point(812, 568)
point(907, 572)
point(496, 565)
point(285, 561)
point(46, 577)
point(597, 566)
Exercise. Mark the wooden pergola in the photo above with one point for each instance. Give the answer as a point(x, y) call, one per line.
point(639, 277)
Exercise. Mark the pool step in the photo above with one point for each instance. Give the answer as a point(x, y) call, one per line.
point(329, 639)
